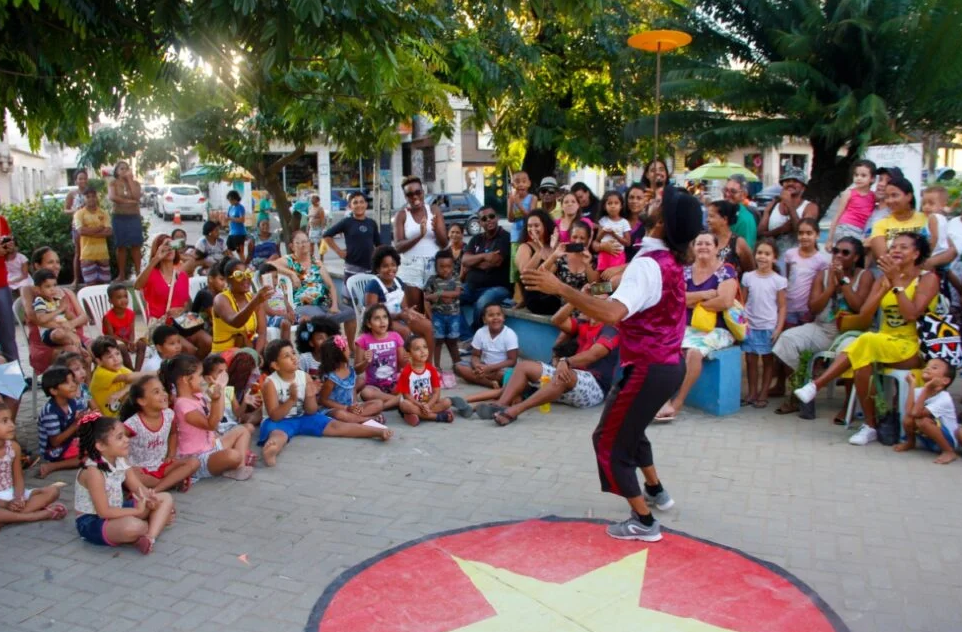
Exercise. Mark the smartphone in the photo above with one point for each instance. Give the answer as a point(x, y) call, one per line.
point(177, 244)
point(574, 248)
point(601, 287)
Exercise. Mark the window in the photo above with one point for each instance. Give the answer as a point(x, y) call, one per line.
point(799, 161)
point(486, 138)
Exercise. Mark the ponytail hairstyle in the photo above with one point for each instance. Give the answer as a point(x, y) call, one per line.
point(92, 428)
point(333, 353)
point(138, 390)
point(172, 369)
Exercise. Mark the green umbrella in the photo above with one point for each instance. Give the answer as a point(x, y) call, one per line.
point(720, 171)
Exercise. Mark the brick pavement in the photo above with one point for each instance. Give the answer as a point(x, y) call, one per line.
point(874, 533)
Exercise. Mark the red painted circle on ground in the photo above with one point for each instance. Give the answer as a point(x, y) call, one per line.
point(491, 577)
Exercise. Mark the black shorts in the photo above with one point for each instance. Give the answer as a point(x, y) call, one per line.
point(234, 242)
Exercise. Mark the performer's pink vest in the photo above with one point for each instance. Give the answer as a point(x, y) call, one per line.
point(654, 336)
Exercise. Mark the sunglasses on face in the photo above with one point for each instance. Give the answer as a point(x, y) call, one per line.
point(549, 190)
point(487, 218)
point(841, 251)
point(732, 191)
point(240, 275)
point(414, 193)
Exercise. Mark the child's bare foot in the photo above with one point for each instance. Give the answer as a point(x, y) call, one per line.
point(386, 434)
point(905, 446)
point(172, 516)
point(269, 453)
point(144, 544)
point(411, 419)
point(946, 457)
point(57, 511)
point(241, 473)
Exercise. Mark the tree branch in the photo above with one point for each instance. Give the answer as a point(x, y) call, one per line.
point(283, 161)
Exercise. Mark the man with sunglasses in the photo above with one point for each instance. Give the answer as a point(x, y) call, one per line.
point(487, 263)
point(548, 193)
point(745, 226)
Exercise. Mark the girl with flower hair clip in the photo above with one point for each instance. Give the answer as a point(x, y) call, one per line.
point(103, 516)
point(338, 386)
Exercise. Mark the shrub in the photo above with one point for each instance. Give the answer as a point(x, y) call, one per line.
point(35, 223)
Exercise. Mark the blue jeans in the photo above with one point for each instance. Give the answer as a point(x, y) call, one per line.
point(479, 298)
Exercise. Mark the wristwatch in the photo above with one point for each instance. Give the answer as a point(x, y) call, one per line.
point(897, 289)
point(845, 281)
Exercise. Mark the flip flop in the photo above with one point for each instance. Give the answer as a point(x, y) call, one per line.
point(747, 402)
point(761, 403)
point(839, 421)
point(664, 419)
point(488, 411)
point(464, 408)
point(503, 413)
point(57, 511)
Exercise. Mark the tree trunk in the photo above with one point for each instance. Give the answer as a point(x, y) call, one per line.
point(270, 178)
point(539, 163)
point(830, 174)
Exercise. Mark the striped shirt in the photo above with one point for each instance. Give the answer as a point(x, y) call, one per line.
point(52, 421)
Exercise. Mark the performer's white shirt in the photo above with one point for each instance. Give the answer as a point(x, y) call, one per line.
point(640, 286)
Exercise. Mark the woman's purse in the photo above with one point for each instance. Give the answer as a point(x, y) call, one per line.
point(736, 321)
point(188, 324)
point(702, 319)
point(939, 333)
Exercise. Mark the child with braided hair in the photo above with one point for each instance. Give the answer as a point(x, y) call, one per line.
point(103, 516)
point(338, 386)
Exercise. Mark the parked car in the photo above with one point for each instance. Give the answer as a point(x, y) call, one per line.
point(147, 194)
point(57, 195)
point(457, 208)
point(186, 198)
point(766, 195)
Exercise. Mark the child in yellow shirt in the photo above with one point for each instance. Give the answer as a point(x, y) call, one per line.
point(111, 379)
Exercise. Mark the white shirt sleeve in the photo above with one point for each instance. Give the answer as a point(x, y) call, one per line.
point(640, 286)
point(953, 230)
point(510, 340)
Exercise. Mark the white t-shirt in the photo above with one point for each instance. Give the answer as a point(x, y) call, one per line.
point(640, 286)
point(942, 408)
point(762, 306)
point(494, 350)
point(620, 226)
point(152, 360)
point(284, 391)
point(943, 227)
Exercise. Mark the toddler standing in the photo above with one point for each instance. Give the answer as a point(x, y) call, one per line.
point(18, 274)
point(17, 503)
point(443, 292)
point(765, 308)
point(802, 264)
point(613, 228)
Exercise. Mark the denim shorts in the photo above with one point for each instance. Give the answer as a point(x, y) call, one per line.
point(446, 326)
point(758, 341)
point(91, 527)
point(309, 425)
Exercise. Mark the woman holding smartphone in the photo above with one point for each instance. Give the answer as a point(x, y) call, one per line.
point(571, 262)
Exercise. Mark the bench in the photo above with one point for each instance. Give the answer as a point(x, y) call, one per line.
point(718, 389)
point(536, 334)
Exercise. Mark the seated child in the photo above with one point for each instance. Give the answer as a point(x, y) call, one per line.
point(197, 418)
point(337, 387)
point(79, 367)
point(17, 503)
point(279, 312)
point(167, 344)
point(103, 516)
point(380, 354)
point(291, 403)
point(153, 439)
point(420, 387)
point(241, 407)
point(56, 427)
point(119, 323)
point(311, 334)
point(930, 413)
point(111, 379)
point(204, 299)
point(494, 348)
point(443, 292)
point(55, 329)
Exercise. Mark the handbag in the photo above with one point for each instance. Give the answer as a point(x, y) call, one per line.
point(188, 324)
point(736, 320)
point(939, 333)
point(702, 319)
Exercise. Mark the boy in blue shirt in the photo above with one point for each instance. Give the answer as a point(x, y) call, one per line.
point(56, 430)
point(237, 236)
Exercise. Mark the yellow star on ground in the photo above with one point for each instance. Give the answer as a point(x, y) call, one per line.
point(603, 600)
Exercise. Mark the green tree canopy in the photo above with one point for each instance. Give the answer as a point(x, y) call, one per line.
point(842, 74)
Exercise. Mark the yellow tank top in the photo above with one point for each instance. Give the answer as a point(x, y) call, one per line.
point(892, 321)
point(224, 333)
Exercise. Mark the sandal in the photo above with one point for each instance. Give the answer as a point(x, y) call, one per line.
point(57, 511)
point(250, 459)
point(505, 415)
point(464, 408)
point(760, 403)
point(839, 421)
point(663, 419)
point(488, 411)
point(787, 408)
point(747, 402)
point(445, 417)
point(185, 484)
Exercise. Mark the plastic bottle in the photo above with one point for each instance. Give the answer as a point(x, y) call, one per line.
point(545, 407)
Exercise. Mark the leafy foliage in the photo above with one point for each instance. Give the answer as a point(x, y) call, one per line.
point(843, 74)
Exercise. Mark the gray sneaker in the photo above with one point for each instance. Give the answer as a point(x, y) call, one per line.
point(662, 500)
point(632, 529)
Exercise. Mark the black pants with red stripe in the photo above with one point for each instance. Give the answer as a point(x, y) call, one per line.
point(620, 442)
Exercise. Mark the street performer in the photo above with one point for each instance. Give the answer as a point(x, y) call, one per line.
point(649, 310)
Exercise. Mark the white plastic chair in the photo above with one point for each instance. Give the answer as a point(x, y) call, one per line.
point(20, 316)
point(355, 289)
point(274, 333)
point(95, 301)
point(889, 376)
point(197, 283)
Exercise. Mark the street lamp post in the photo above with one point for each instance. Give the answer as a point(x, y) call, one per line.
point(658, 42)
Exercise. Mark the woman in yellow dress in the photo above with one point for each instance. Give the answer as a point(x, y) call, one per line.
point(902, 295)
point(239, 319)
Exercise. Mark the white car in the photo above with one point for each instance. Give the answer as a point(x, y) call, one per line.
point(58, 195)
point(186, 198)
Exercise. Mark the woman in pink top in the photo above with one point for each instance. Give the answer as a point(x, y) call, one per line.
point(155, 283)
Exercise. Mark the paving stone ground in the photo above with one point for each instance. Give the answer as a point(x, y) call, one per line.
point(875, 534)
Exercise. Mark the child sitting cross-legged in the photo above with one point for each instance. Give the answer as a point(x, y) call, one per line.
point(420, 387)
point(153, 437)
point(493, 350)
point(380, 356)
point(17, 503)
point(291, 403)
point(56, 425)
point(111, 379)
point(930, 412)
point(197, 419)
point(337, 387)
point(103, 516)
point(241, 407)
